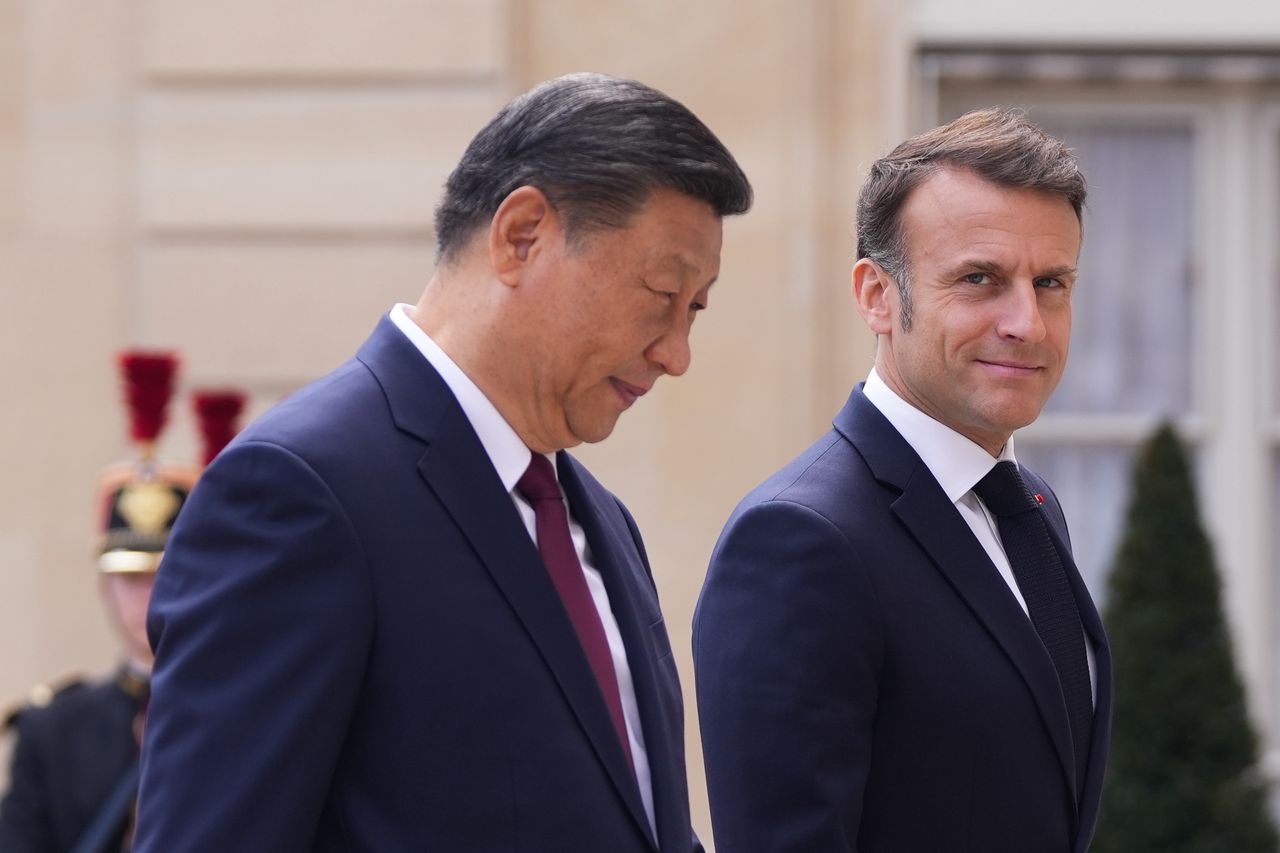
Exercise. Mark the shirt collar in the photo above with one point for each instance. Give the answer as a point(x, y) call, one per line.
point(955, 461)
point(509, 455)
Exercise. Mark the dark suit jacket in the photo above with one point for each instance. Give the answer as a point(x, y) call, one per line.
point(69, 757)
point(866, 680)
point(358, 647)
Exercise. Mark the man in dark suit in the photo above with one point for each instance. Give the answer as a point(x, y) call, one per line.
point(894, 651)
point(377, 627)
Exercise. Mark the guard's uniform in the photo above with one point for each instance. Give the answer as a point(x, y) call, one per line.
point(73, 782)
point(69, 756)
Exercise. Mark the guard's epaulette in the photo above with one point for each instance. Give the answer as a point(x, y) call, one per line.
point(132, 684)
point(39, 696)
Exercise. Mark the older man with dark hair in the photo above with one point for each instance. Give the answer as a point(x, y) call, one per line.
point(396, 614)
point(894, 649)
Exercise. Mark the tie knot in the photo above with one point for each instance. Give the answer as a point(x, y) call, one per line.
point(1004, 491)
point(538, 482)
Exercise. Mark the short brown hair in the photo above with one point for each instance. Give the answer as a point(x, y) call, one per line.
point(997, 143)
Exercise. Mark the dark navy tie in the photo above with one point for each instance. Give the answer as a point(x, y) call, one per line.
point(1037, 567)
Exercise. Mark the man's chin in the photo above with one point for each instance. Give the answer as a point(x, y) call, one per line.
point(1006, 423)
point(593, 432)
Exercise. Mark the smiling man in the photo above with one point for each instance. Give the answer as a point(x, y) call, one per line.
point(396, 614)
point(894, 649)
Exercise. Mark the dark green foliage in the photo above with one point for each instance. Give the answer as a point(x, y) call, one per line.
point(1182, 777)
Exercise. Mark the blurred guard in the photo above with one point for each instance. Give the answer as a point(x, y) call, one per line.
point(74, 772)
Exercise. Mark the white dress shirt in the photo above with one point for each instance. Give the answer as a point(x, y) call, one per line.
point(958, 464)
point(510, 458)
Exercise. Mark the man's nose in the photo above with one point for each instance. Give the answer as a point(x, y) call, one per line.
point(1020, 314)
point(671, 351)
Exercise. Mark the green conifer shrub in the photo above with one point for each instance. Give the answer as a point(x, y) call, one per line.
point(1183, 774)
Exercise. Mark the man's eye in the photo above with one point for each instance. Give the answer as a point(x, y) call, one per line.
point(1048, 282)
point(976, 278)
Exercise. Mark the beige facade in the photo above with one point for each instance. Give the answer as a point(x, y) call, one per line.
point(252, 183)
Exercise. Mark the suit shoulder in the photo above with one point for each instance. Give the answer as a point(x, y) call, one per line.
point(817, 478)
point(336, 426)
point(45, 700)
point(346, 393)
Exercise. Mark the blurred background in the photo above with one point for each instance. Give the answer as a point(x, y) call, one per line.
point(251, 182)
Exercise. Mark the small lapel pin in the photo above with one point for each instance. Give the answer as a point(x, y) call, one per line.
point(1040, 499)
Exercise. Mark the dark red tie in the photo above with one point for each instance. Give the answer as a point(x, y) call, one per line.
point(540, 488)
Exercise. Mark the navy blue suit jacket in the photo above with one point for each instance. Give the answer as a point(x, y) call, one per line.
point(867, 681)
point(358, 647)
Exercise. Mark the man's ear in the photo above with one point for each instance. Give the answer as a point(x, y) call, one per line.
point(876, 293)
point(522, 227)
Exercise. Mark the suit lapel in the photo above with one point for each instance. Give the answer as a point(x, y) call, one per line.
point(596, 511)
point(1058, 533)
point(485, 514)
point(942, 533)
point(1091, 796)
point(457, 470)
point(1091, 799)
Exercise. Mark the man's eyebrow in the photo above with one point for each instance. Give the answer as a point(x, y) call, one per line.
point(1063, 271)
point(974, 265)
point(988, 266)
point(688, 266)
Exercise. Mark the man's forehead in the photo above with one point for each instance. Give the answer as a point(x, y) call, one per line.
point(966, 206)
point(947, 183)
point(684, 262)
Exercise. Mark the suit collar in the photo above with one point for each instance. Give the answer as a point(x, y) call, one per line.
point(505, 449)
point(956, 462)
point(455, 467)
point(932, 519)
point(417, 395)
